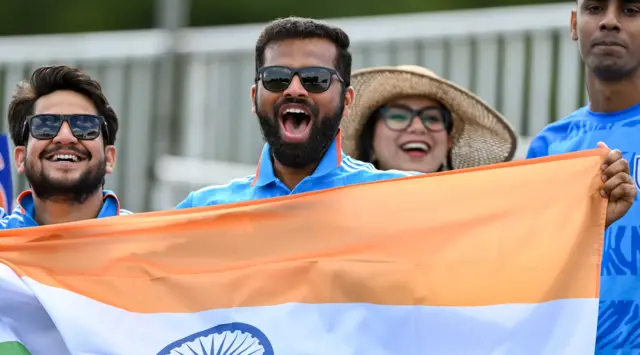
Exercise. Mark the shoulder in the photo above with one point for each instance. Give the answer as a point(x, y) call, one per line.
point(554, 132)
point(111, 205)
point(562, 125)
point(4, 219)
point(366, 172)
point(15, 219)
point(233, 191)
point(3, 213)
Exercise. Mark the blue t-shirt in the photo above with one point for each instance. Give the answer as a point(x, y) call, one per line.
point(23, 215)
point(619, 315)
point(335, 169)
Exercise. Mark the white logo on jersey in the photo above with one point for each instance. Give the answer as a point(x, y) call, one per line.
point(636, 176)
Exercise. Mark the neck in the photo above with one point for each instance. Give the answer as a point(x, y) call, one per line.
point(56, 211)
point(291, 177)
point(607, 97)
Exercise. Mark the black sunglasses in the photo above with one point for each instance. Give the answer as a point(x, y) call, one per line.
point(314, 79)
point(84, 127)
point(399, 117)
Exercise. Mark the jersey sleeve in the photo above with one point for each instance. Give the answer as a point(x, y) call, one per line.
point(187, 202)
point(538, 147)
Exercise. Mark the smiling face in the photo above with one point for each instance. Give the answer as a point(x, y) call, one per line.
point(300, 120)
point(413, 147)
point(608, 32)
point(64, 167)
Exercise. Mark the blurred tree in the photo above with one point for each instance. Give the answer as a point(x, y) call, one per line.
point(207, 13)
point(60, 16)
point(46, 16)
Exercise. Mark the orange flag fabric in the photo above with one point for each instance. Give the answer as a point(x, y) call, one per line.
point(495, 260)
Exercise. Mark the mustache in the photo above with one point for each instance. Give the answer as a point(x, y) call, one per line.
point(294, 100)
point(58, 148)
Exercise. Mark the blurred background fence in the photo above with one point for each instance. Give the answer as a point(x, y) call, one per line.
point(182, 94)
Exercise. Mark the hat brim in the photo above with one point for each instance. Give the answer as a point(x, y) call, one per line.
point(481, 136)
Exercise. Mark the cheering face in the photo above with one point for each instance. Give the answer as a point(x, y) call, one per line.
point(300, 100)
point(64, 167)
point(608, 33)
point(411, 135)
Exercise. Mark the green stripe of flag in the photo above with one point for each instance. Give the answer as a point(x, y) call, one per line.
point(13, 348)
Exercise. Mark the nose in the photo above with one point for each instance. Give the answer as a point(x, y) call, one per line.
point(295, 89)
point(610, 20)
point(65, 135)
point(416, 126)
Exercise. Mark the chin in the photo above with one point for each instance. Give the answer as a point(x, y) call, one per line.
point(67, 178)
point(610, 69)
point(65, 174)
point(427, 169)
point(64, 184)
point(423, 170)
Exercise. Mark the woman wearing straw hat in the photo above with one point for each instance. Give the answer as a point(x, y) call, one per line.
point(407, 118)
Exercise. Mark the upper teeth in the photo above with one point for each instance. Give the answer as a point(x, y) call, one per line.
point(416, 145)
point(294, 110)
point(65, 157)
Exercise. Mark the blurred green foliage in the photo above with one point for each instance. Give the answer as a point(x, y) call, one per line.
point(63, 16)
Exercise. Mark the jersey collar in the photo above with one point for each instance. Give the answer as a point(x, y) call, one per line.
point(331, 160)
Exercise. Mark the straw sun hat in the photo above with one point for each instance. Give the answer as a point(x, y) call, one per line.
point(481, 136)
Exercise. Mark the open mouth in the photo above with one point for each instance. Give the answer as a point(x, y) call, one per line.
point(296, 123)
point(416, 148)
point(67, 158)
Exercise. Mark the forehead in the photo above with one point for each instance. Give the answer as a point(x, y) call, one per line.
point(414, 102)
point(64, 102)
point(610, 1)
point(301, 53)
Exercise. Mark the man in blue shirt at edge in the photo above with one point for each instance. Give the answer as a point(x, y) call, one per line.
point(608, 35)
point(301, 93)
point(64, 131)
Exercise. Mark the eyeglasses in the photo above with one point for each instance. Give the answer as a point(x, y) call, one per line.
point(314, 79)
point(399, 117)
point(83, 127)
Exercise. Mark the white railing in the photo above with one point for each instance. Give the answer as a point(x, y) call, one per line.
point(520, 59)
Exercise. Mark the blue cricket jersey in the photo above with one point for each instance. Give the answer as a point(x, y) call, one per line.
point(619, 314)
point(23, 215)
point(334, 170)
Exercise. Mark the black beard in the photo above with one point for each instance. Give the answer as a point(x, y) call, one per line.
point(611, 75)
point(75, 192)
point(300, 155)
point(610, 70)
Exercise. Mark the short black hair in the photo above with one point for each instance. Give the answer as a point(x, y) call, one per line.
point(306, 28)
point(48, 79)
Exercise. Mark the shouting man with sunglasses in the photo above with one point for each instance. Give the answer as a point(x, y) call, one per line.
point(64, 131)
point(302, 90)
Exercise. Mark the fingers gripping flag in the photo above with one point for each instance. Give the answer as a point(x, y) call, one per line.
point(495, 260)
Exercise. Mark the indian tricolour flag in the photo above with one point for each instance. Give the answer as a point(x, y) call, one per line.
point(496, 260)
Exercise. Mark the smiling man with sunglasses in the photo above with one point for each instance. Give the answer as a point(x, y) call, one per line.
point(300, 95)
point(64, 131)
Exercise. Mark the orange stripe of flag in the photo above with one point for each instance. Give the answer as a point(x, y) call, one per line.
point(521, 232)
